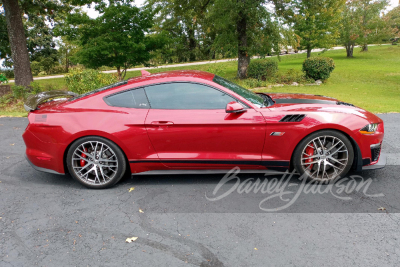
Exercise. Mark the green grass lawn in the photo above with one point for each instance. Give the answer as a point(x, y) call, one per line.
point(370, 80)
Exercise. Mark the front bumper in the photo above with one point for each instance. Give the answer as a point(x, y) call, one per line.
point(379, 165)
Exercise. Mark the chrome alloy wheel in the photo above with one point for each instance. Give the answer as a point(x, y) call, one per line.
point(324, 158)
point(94, 162)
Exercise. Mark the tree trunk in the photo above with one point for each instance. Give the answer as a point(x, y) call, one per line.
point(192, 45)
point(243, 56)
point(19, 50)
point(119, 72)
point(66, 61)
point(308, 51)
point(364, 48)
point(349, 49)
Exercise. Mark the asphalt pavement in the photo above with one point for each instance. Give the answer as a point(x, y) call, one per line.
point(198, 220)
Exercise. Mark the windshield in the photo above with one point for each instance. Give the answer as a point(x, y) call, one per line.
point(252, 97)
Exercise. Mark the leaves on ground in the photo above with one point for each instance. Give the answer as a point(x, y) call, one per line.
point(131, 189)
point(131, 239)
point(382, 208)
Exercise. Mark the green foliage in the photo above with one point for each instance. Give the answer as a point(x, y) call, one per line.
point(318, 68)
point(36, 88)
point(82, 81)
point(19, 92)
point(3, 78)
point(362, 24)
point(250, 83)
point(393, 20)
point(262, 69)
point(315, 21)
point(290, 76)
point(35, 67)
point(9, 73)
point(116, 38)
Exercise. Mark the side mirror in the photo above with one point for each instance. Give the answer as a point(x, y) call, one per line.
point(234, 107)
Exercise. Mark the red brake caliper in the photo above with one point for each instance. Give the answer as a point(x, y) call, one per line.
point(310, 152)
point(83, 162)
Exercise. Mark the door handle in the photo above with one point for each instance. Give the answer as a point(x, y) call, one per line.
point(161, 123)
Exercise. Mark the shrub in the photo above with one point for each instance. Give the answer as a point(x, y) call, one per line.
point(19, 92)
point(3, 78)
point(262, 69)
point(57, 69)
point(250, 83)
point(35, 88)
point(35, 67)
point(318, 68)
point(290, 76)
point(9, 73)
point(82, 81)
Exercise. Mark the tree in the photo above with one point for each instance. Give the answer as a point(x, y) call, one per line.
point(29, 33)
point(372, 26)
point(116, 38)
point(349, 30)
point(315, 21)
point(66, 50)
point(245, 28)
point(17, 39)
point(183, 22)
point(362, 24)
point(393, 19)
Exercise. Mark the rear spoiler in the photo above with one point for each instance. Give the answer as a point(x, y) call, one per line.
point(33, 101)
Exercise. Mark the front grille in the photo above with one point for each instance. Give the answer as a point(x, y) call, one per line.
point(293, 118)
point(375, 151)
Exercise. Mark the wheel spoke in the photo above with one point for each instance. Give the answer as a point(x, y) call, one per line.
point(101, 163)
point(330, 157)
point(335, 160)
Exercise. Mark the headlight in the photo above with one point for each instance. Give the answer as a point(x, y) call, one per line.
point(369, 129)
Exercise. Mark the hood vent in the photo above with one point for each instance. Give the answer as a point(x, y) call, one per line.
point(293, 118)
point(344, 104)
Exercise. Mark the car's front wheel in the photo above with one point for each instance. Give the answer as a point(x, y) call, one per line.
point(324, 156)
point(96, 162)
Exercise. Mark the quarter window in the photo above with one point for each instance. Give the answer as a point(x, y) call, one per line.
point(129, 99)
point(186, 96)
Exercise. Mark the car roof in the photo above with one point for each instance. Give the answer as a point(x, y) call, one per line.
point(173, 74)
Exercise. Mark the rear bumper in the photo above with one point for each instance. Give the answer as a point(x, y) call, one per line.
point(40, 168)
point(43, 156)
point(379, 165)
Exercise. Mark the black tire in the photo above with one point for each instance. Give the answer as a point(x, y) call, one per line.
point(95, 158)
point(307, 169)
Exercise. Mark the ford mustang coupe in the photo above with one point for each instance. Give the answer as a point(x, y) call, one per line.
point(196, 122)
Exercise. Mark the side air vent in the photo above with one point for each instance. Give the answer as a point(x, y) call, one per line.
point(293, 118)
point(344, 104)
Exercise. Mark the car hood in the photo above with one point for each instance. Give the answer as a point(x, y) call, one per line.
point(296, 103)
point(281, 98)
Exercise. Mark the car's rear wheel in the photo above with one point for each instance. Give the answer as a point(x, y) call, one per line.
point(324, 156)
point(96, 162)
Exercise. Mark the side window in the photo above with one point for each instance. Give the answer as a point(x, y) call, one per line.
point(129, 99)
point(186, 96)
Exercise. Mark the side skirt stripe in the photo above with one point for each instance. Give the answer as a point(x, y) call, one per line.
point(266, 163)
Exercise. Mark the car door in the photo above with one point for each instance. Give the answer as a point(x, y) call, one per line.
point(189, 127)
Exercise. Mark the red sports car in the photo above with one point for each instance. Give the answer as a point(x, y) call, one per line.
point(194, 122)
